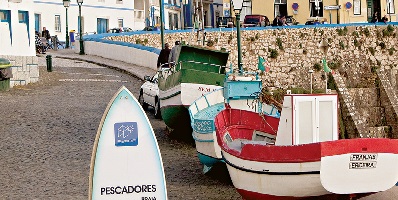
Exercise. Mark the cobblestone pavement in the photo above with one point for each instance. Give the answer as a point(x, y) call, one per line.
point(48, 129)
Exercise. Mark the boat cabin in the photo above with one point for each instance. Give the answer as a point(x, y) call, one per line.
point(308, 119)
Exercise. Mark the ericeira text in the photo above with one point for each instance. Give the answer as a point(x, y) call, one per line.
point(128, 189)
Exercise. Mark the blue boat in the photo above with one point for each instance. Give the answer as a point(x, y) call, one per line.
point(240, 91)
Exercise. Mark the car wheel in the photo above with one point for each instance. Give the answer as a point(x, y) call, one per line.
point(142, 102)
point(158, 114)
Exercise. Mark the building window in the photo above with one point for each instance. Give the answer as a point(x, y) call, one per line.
point(390, 7)
point(120, 23)
point(57, 24)
point(316, 8)
point(23, 16)
point(357, 7)
point(5, 16)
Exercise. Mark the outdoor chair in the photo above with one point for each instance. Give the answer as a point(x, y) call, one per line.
point(56, 42)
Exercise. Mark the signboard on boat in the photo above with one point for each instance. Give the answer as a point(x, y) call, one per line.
point(126, 161)
point(363, 161)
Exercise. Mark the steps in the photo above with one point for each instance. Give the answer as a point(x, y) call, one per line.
point(358, 120)
point(389, 89)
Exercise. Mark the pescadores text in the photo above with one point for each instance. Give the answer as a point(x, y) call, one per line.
point(111, 190)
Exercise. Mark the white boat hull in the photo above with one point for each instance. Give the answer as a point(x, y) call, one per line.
point(331, 175)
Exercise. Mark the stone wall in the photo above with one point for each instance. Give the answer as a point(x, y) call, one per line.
point(24, 69)
point(353, 50)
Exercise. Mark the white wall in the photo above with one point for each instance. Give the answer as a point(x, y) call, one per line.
point(122, 53)
point(20, 45)
point(91, 10)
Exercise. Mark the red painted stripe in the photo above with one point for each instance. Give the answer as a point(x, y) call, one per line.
point(360, 145)
point(240, 125)
point(249, 195)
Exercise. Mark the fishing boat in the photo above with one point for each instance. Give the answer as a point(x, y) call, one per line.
point(240, 91)
point(197, 71)
point(301, 155)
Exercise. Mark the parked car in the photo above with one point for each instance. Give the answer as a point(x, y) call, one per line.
point(225, 22)
point(255, 20)
point(120, 30)
point(149, 95)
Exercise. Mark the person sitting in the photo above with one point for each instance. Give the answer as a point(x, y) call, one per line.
point(384, 19)
point(173, 54)
point(39, 44)
point(316, 22)
point(164, 55)
point(277, 21)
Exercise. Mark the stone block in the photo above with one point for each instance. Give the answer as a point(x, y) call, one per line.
point(33, 70)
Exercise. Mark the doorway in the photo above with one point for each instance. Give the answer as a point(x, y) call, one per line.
point(280, 8)
point(372, 7)
point(102, 25)
point(37, 22)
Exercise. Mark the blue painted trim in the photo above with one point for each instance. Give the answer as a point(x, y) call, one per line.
point(25, 20)
point(189, 14)
point(168, 5)
point(212, 14)
point(88, 6)
point(7, 13)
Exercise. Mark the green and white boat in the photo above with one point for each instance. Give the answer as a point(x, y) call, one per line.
point(197, 71)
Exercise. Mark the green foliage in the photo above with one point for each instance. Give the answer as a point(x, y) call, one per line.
point(273, 53)
point(138, 41)
point(373, 69)
point(300, 46)
point(251, 39)
point(355, 34)
point(210, 43)
point(334, 64)
point(377, 82)
point(317, 67)
point(371, 50)
point(342, 32)
point(357, 43)
point(382, 45)
point(391, 51)
point(390, 28)
point(378, 34)
point(216, 40)
point(321, 32)
point(345, 29)
point(366, 31)
point(342, 46)
point(257, 36)
point(302, 35)
point(378, 62)
point(279, 43)
point(330, 40)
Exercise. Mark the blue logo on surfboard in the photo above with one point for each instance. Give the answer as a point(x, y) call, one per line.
point(126, 134)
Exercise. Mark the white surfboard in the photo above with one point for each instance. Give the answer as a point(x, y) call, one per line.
point(126, 161)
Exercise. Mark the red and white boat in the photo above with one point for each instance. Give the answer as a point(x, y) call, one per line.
point(302, 156)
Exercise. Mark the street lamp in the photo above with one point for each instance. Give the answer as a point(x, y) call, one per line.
point(324, 47)
point(66, 5)
point(311, 71)
point(238, 4)
point(80, 2)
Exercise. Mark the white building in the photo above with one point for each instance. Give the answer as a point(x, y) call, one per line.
point(17, 40)
point(98, 16)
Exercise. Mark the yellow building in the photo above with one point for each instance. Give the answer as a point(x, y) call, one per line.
point(351, 11)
